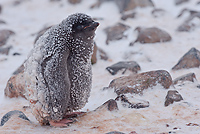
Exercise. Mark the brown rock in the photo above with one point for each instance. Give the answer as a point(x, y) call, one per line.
point(15, 86)
point(186, 27)
point(128, 15)
point(132, 102)
point(4, 35)
point(178, 2)
point(151, 35)
point(74, 1)
point(116, 32)
point(98, 52)
point(110, 105)
point(126, 65)
point(5, 50)
point(127, 5)
point(172, 96)
point(186, 77)
point(138, 82)
point(190, 60)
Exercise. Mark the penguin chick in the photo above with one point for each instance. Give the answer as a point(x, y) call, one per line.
point(58, 71)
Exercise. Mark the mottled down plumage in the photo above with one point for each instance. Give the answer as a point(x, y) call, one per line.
point(58, 70)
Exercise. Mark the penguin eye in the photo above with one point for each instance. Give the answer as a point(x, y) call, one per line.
point(79, 27)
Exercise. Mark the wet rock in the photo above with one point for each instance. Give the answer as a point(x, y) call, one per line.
point(126, 5)
point(116, 32)
point(74, 1)
point(185, 27)
point(125, 16)
point(126, 65)
point(19, 69)
point(172, 96)
point(179, 2)
point(110, 105)
point(98, 52)
point(158, 12)
point(131, 102)
point(151, 35)
point(5, 50)
point(40, 33)
point(15, 86)
point(138, 82)
point(187, 77)
point(4, 36)
point(190, 60)
point(115, 132)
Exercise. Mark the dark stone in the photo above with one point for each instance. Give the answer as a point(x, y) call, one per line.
point(179, 2)
point(138, 82)
point(115, 132)
point(19, 70)
point(158, 12)
point(186, 27)
point(151, 35)
point(198, 3)
point(2, 22)
point(16, 53)
point(41, 32)
point(190, 60)
point(5, 50)
point(130, 65)
point(192, 12)
point(132, 102)
point(74, 1)
point(110, 105)
point(0, 9)
point(116, 32)
point(125, 16)
point(4, 35)
point(186, 77)
point(15, 86)
point(103, 55)
point(127, 5)
point(8, 115)
point(18, 2)
point(172, 96)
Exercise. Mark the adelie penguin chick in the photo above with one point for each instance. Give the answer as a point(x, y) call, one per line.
point(58, 71)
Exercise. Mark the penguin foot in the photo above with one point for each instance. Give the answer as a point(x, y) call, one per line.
point(61, 123)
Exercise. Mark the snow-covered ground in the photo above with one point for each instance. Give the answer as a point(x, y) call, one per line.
point(30, 16)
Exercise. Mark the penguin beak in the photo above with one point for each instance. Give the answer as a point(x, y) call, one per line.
point(92, 26)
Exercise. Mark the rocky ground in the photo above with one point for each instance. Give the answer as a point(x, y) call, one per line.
point(145, 64)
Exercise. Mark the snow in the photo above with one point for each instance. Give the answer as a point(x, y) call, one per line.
point(31, 16)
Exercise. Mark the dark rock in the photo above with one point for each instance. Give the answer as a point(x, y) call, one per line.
point(98, 52)
point(178, 2)
point(54, 0)
point(110, 105)
point(4, 35)
point(0, 9)
point(186, 77)
point(15, 86)
point(187, 25)
point(172, 96)
point(138, 82)
point(16, 53)
point(2, 22)
point(116, 32)
point(41, 32)
point(19, 70)
point(127, 5)
point(198, 3)
point(125, 16)
point(115, 132)
point(5, 50)
point(151, 35)
point(18, 2)
point(74, 1)
point(158, 12)
point(7, 116)
point(190, 60)
point(130, 65)
point(132, 102)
